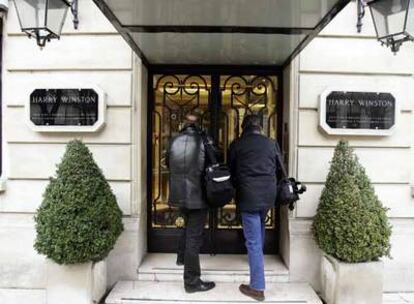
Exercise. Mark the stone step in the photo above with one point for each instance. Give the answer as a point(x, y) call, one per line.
point(398, 298)
point(218, 268)
point(146, 292)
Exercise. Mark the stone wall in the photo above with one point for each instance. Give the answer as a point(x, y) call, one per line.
point(94, 55)
point(340, 56)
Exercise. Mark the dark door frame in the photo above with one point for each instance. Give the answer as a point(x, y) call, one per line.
point(215, 71)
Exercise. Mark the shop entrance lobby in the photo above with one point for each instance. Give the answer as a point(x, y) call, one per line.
point(222, 60)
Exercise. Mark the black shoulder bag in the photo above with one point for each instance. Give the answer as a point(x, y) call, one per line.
point(288, 189)
point(219, 189)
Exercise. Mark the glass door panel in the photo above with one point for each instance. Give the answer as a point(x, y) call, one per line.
point(175, 96)
point(240, 96)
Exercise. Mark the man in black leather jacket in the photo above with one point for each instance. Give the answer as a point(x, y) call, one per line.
point(186, 160)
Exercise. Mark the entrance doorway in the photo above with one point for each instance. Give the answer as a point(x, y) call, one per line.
point(221, 97)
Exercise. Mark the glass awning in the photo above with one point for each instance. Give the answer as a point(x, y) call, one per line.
point(219, 32)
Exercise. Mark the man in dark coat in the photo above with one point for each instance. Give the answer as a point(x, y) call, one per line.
point(186, 160)
point(252, 161)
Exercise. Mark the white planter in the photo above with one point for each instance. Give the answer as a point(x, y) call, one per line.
point(351, 283)
point(75, 284)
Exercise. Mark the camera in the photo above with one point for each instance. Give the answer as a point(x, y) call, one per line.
point(298, 188)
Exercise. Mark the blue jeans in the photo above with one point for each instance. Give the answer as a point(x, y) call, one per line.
point(254, 233)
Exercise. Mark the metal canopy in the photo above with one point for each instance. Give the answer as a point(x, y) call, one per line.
point(219, 32)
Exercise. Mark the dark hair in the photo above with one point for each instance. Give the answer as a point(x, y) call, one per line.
point(251, 121)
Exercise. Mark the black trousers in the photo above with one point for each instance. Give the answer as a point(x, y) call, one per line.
point(190, 243)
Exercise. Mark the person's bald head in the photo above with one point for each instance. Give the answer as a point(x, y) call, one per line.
point(191, 118)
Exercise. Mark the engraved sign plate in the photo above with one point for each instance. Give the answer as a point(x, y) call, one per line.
point(69, 109)
point(64, 107)
point(358, 113)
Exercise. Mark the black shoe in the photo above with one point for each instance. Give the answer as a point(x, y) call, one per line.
point(180, 261)
point(202, 286)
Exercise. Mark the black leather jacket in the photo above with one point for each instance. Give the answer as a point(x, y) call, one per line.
point(186, 161)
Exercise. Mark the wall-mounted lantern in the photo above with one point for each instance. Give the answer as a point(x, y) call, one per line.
point(393, 21)
point(44, 19)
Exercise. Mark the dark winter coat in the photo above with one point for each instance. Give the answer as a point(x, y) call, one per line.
point(186, 161)
point(252, 161)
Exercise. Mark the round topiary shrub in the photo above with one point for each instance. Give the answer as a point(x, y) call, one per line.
point(351, 224)
point(79, 219)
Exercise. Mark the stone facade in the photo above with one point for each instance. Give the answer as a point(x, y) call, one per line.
point(340, 57)
point(93, 55)
point(97, 55)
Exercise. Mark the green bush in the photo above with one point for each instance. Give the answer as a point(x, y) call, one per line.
point(351, 224)
point(79, 219)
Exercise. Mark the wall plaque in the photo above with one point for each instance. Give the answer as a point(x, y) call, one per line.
point(358, 113)
point(66, 110)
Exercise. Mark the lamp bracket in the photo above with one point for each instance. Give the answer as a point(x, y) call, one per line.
point(74, 9)
point(360, 14)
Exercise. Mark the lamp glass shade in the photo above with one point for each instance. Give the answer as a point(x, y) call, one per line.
point(31, 13)
point(42, 16)
point(56, 15)
point(410, 19)
point(390, 17)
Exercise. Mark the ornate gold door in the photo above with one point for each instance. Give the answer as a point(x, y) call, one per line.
point(221, 101)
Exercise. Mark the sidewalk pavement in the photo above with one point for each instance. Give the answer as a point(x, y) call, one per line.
point(398, 298)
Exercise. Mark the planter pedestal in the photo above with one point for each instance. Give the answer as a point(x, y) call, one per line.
point(75, 284)
point(351, 283)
